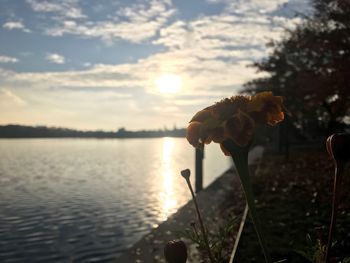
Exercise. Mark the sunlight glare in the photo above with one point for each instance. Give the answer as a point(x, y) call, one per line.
point(169, 83)
point(168, 199)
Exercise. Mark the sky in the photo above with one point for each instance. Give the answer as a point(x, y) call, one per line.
point(144, 64)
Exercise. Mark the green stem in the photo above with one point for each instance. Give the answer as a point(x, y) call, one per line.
point(339, 170)
point(240, 158)
point(205, 236)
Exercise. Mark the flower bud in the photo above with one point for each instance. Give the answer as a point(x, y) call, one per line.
point(338, 147)
point(186, 173)
point(175, 251)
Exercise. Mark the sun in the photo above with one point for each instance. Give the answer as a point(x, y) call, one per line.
point(169, 83)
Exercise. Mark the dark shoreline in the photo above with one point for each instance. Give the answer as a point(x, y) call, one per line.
point(102, 138)
point(20, 131)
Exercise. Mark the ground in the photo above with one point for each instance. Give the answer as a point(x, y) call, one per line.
point(294, 202)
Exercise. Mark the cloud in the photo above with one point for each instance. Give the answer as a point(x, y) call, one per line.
point(12, 25)
point(209, 52)
point(7, 59)
point(139, 22)
point(246, 7)
point(9, 95)
point(55, 58)
point(222, 33)
point(63, 8)
point(261, 6)
point(138, 79)
point(222, 46)
point(87, 64)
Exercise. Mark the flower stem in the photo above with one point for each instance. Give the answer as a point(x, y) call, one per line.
point(239, 233)
point(339, 170)
point(240, 158)
point(205, 236)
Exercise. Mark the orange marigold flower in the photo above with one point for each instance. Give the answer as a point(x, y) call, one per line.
point(202, 115)
point(240, 128)
point(266, 108)
point(218, 135)
point(192, 134)
point(234, 118)
point(227, 107)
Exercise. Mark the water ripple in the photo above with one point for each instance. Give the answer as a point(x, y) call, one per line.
point(72, 200)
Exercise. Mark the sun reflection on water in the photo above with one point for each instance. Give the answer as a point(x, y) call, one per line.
point(167, 196)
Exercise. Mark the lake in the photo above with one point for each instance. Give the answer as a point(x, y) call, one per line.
point(87, 200)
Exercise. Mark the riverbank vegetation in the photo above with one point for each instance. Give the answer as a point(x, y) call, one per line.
point(20, 131)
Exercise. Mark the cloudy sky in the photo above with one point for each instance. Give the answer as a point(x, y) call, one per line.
point(105, 64)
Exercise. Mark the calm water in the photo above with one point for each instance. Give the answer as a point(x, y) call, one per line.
point(86, 200)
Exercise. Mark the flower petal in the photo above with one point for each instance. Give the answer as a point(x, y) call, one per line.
point(266, 108)
point(240, 128)
point(193, 133)
point(218, 135)
point(274, 118)
point(202, 115)
point(229, 106)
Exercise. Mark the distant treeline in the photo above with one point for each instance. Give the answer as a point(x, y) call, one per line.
point(19, 131)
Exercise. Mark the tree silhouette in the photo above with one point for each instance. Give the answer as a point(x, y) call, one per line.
point(311, 68)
